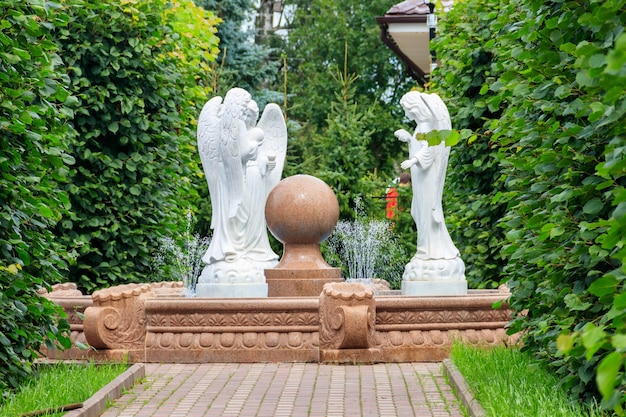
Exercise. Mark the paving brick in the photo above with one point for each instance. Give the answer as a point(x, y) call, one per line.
point(289, 389)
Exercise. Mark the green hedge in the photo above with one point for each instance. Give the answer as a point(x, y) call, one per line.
point(549, 81)
point(97, 110)
point(472, 204)
point(34, 113)
point(140, 85)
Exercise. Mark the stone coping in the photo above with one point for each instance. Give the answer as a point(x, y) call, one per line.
point(150, 328)
point(462, 390)
point(97, 403)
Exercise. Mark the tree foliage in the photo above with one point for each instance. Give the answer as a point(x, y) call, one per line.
point(242, 62)
point(344, 145)
point(135, 77)
point(34, 111)
point(550, 91)
point(321, 32)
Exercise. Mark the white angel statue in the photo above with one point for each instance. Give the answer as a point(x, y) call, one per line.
point(242, 162)
point(437, 257)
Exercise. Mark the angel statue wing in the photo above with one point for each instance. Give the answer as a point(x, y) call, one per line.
point(208, 146)
point(440, 112)
point(231, 126)
point(442, 121)
point(275, 144)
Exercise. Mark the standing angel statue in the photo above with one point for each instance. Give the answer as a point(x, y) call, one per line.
point(437, 258)
point(242, 162)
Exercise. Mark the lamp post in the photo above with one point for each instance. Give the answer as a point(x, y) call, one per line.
point(407, 29)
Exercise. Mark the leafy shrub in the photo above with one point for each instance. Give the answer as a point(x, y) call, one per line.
point(567, 116)
point(34, 110)
point(138, 85)
point(557, 74)
point(27, 322)
point(471, 200)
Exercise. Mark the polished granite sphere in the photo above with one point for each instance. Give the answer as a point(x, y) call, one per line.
point(301, 210)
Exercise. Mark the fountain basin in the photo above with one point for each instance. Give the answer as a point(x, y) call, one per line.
point(198, 330)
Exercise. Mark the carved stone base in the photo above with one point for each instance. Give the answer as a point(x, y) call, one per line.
point(232, 330)
point(247, 290)
point(347, 316)
point(239, 271)
point(434, 288)
point(300, 282)
point(420, 269)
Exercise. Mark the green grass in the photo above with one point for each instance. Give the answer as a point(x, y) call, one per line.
point(509, 383)
point(60, 384)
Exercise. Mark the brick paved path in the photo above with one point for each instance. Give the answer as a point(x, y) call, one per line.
point(289, 389)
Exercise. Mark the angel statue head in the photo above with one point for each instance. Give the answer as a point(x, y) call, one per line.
point(236, 103)
point(426, 109)
point(252, 114)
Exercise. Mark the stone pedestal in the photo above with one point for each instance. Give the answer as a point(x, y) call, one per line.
point(301, 212)
point(299, 282)
point(434, 288)
point(252, 290)
point(434, 277)
point(242, 278)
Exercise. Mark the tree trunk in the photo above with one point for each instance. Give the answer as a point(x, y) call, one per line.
point(264, 21)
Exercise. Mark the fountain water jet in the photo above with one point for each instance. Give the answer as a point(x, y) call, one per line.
point(368, 251)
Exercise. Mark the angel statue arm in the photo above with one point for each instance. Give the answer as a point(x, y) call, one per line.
point(415, 147)
point(267, 163)
point(403, 135)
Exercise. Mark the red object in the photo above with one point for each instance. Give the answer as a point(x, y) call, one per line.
point(392, 203)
